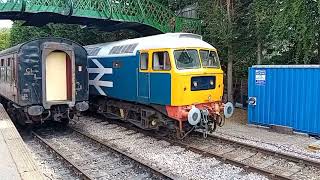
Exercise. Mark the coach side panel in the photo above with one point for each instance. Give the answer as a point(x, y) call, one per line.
point(8, 86)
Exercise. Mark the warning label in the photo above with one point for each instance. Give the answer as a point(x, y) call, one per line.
point(260, 77)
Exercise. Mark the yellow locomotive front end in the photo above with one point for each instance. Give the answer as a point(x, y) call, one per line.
point(197, 90)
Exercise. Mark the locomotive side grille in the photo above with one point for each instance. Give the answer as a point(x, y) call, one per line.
point(203, 83)
point(129, 48)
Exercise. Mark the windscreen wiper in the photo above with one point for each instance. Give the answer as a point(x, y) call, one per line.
point(190, 58)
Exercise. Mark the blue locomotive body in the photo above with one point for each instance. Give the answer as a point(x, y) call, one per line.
point(117, 77)
point(170, 81)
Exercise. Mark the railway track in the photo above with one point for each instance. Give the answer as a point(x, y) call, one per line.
point(92, 159)
point(275, 165)
point(51, 164)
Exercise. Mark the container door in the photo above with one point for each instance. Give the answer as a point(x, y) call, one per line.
point(143, 89)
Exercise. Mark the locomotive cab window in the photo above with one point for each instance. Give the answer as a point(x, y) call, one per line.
point(161, 61)
point(187, 59)
point(144, 61)
point(209, 59)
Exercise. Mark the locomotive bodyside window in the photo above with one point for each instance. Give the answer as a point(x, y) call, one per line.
point(161, 61)
point(144, 61)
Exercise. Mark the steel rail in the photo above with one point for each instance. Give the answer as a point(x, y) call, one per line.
point(283, 155)
point(78, 170)
point(250, 168)
point(144, 163)
point(226, 159)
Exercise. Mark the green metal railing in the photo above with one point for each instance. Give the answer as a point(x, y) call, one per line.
point(145, 12)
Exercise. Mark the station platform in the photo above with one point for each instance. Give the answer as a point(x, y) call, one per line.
point(16, 161)
point(297, 144)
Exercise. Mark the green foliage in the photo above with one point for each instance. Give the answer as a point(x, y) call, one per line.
point(295, 30)
point(4, 39)
point(241, 34)
point(287, 30)
point(77, 33)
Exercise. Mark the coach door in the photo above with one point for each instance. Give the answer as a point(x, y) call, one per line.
point(58, 77)
point(143, 89)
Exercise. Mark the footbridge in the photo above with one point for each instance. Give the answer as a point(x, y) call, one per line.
point(146, 17)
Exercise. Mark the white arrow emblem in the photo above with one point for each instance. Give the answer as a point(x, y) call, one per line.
point(101, 71)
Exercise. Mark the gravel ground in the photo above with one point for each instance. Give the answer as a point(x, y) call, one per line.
point(236, 129)
point(251, 157)
point(97, 161)
point(183, 163)
point(50, 166)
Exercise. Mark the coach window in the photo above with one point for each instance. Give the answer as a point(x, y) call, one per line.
point(161, 61)
point(2, 70)
point(8, 77)
point(13, 69)
point(9, 62)
point(144, 61)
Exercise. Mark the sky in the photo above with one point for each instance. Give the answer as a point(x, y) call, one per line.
point(5, 23)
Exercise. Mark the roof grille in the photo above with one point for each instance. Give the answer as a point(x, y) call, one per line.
point(124, 49)
point(195, 36)
point(93, 51)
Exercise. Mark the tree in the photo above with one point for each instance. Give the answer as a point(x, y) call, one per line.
point(4, 39)
point(263, 12)
point(295, 31)
point(80, 34)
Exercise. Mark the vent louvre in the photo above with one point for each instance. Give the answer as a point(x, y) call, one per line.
point(194, 36)
point(124, 49)
point(93, 51)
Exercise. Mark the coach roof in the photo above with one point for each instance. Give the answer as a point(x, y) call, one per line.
point(17, 48)
point(131, 46)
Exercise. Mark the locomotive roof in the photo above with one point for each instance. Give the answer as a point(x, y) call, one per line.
point(16, 48)
point(131, 46)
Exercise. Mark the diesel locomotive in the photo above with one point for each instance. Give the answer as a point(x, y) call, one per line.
point(44, 79)
point(167, 82)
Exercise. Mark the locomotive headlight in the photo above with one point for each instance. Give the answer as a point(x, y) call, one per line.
point(211, 82)
point(195, 83)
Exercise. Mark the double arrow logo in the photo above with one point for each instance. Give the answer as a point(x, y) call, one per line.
point(100, 71)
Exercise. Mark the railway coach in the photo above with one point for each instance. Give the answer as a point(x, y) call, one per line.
point(44, 79)
point(167, 82)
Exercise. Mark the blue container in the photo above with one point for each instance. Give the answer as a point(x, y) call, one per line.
point(285, 96)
